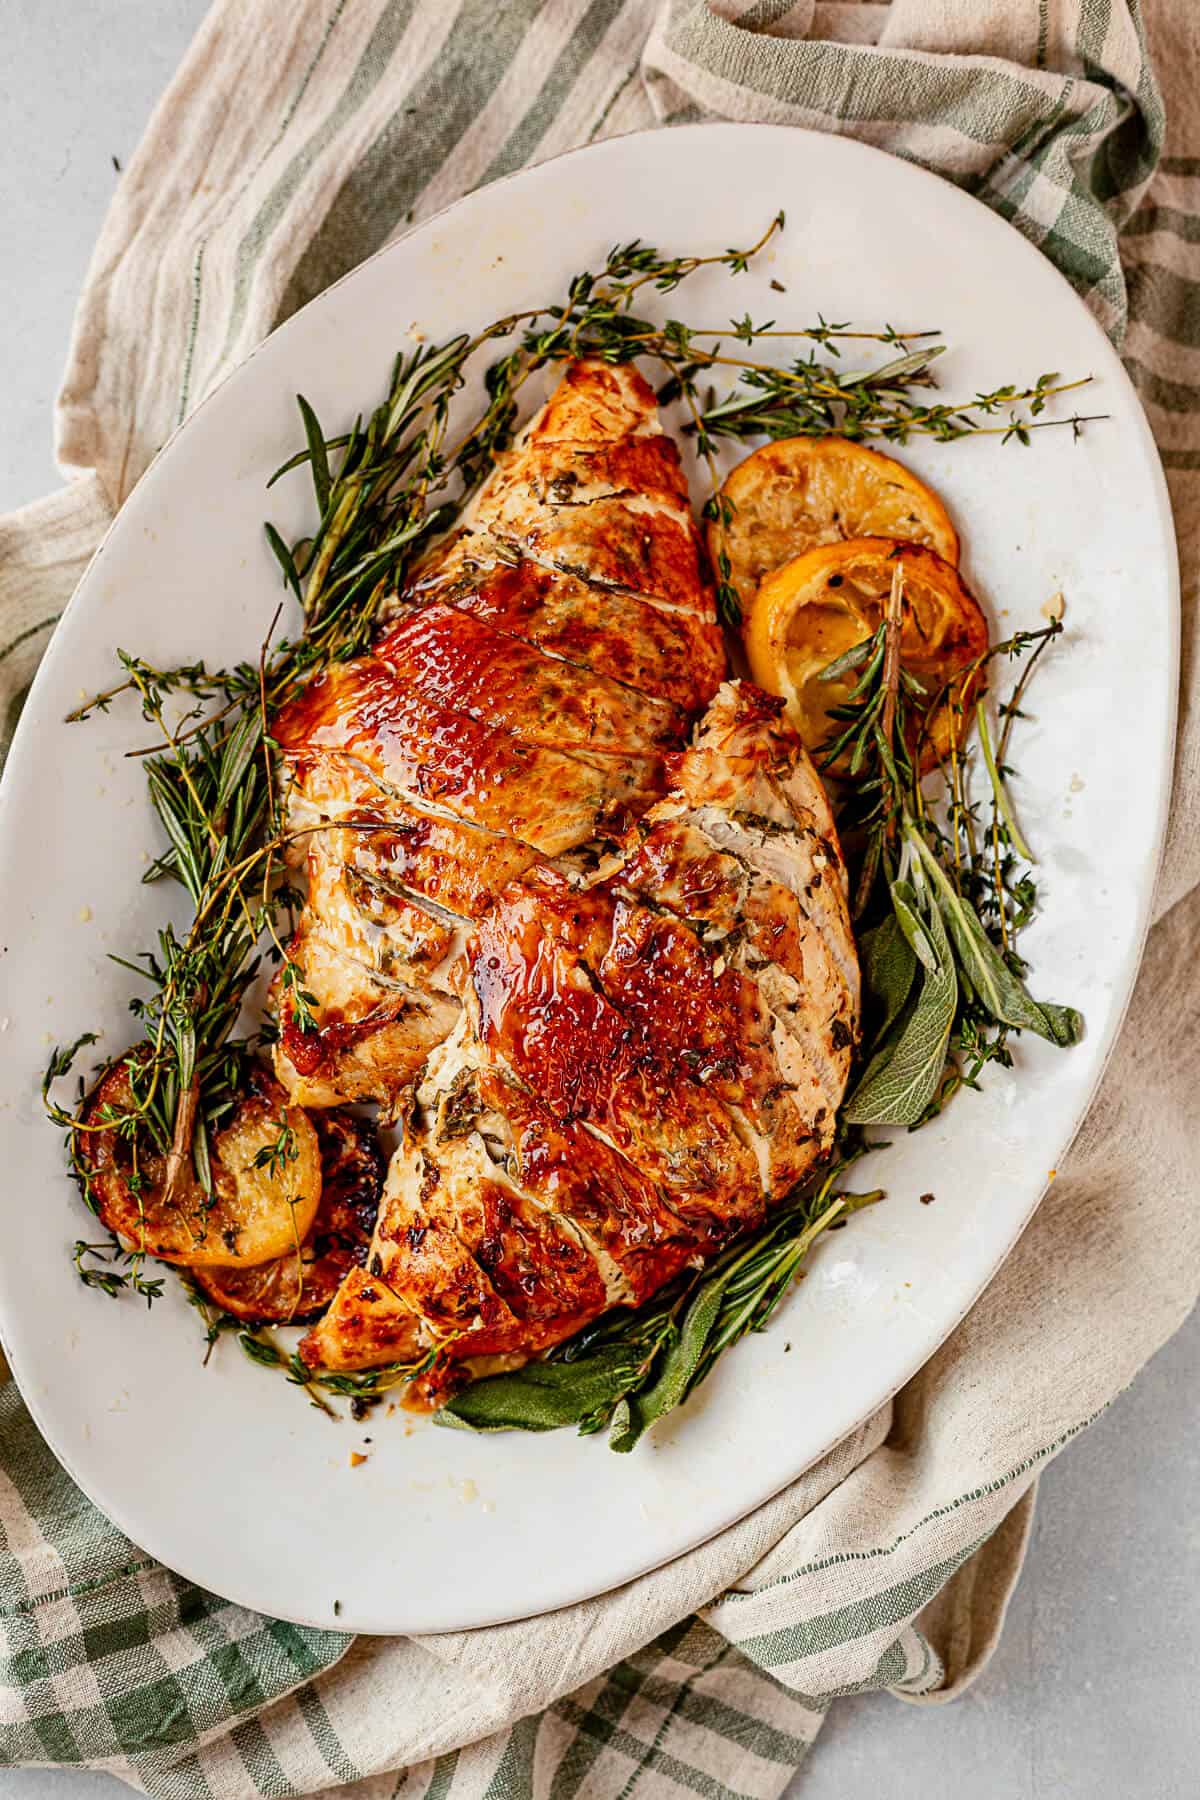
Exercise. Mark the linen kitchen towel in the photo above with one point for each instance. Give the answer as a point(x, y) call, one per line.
point(293, 142)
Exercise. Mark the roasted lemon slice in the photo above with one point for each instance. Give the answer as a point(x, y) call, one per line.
point(791, 496)
point(817, 607)
point(300, 1284)
point(266, 1179)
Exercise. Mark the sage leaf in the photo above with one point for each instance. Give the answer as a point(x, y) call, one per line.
point(544, 1395)
point(627, 1425)
point(904, 909)
point(896, 1090)
point(888, 966)
point(999, 991)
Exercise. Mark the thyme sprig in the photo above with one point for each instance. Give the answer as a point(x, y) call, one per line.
point(811, 399)
point(111, 1268)
point(263, 1348)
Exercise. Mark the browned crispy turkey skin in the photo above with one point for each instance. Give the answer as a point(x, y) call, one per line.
point(645, 1063)
point(606, 974)
point(530, 683)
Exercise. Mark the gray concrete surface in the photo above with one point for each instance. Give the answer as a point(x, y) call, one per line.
point(1091, 1695)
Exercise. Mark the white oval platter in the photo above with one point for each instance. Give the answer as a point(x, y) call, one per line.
point(223, 1472)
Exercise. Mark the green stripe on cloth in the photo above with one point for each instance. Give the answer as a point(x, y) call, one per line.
point(1159, 390)
point(1093, 143)
point(861, 1618)
point(730, 1721)
point(654, 1749)
point(969, 1497)
point(368, 73)
point(325, 1737)
point(241, 276)
point(1150, 220)
point(262, 1765)
point(642, 1757)
point(30, 631)
point(1167, 301)
point(442, 1781)
point(898, 88)
point(604, 1704)
point(414, 142)
point(522, 143)
point(170, 1661)
point(519, 1756)
point(185, 1780)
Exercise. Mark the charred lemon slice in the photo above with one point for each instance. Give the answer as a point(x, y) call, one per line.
point(791, 496)
point(300, 1284)
point(816, 608)
point(266, 1178)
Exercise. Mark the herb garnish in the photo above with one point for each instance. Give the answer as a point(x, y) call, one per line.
point(940, 903)
point(381, 490)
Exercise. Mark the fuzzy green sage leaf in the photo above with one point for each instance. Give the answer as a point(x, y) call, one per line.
point(543, 1395)
point(898, 1087)
point(1001, 992)
point(888, 967)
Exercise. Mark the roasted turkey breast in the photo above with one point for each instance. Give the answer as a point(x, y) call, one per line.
point(604, 974)
point(647, 1058)
point(522, 698)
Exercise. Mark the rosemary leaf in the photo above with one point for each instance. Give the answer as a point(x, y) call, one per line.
point(854, 658)
point(317, 455)
point(240, 747)
point(284, 558)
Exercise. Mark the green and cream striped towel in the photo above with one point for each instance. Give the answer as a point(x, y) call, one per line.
point(278, 159)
